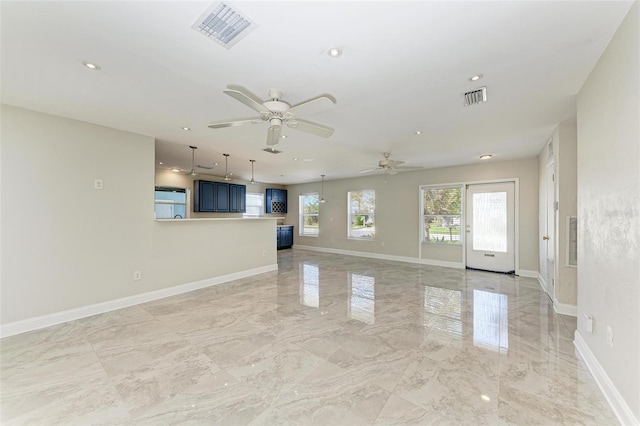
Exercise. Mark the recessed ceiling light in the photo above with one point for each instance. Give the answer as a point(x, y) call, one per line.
point(175, 170)
point(475, 77)
point(283, 136)
point(160, 162)
point(334, 52)
point(485, 398)
point(186, 128)
point(486, 157)
point(418, 132)
point(91, 65)
point(295, 159)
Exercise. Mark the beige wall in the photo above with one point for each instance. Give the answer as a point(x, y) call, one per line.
point(66, 245)
point(608, 114)
point(398, 215)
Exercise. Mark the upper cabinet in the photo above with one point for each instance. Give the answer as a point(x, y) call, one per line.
point(221, 201)
point(218, 197)
point(276, 200)
point(203, 196)
point(237, 198)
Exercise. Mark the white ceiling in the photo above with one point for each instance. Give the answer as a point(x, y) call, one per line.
point(404, 67)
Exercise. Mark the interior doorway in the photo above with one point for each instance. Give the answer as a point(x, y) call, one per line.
point(548, 239)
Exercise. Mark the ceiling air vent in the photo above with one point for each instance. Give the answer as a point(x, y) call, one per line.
point(224, 24)
point(475, 96)
point(272, 150)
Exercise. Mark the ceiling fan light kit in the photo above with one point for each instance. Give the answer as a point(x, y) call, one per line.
point(277, 112)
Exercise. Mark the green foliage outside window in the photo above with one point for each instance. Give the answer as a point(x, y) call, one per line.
point(442, 215)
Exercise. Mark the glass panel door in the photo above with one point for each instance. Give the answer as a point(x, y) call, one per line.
point(490, 221)
point(490, 227)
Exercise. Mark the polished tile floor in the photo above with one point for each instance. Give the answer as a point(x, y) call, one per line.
point(327, 339)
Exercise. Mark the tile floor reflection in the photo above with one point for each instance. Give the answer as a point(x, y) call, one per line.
point(327, 339)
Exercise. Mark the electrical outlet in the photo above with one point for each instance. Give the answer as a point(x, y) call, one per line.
point(264, 253)
point(609, 336)
point(98, 184)
point(137, 275)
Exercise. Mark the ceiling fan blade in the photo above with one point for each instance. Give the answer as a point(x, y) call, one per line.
point(310, 127)
point(369, 170)
point(317, 104)
point(238, 122)
point(394, 163)
point(392, 172)
point(241, 94)
point(409, 168)
point(273, 135)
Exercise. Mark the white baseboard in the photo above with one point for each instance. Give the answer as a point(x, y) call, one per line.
point(43, 321)
point(565, 309)
point(457, 265)
point(615, 400)
point(527, 273)
point(543, 283)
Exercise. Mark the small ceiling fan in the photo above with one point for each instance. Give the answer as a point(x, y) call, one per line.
point(390, 167)
point(278, 112)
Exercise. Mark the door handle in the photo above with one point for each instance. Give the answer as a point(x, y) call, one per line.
point(545, 237)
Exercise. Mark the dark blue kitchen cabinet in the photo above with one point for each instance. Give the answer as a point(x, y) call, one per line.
point(203, 196)
point(219, 197)
point(237, 198)
point(284, 237)
point(276, 200)
point(221, 201)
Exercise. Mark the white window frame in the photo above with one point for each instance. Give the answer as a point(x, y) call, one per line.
point(423, 216)
point(254, 194)
point(349, 214)
point(301, 215)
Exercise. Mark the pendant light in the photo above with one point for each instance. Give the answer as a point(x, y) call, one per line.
point(322, 200)
point(252, 182)
point(227, 176)
point(193, 162)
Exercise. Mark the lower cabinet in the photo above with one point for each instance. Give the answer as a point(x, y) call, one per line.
point(284, 237)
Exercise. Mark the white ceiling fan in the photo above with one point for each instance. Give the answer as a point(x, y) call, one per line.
point(390, 167)
point(278, 112)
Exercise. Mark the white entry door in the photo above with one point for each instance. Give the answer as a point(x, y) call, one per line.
point(490, 227)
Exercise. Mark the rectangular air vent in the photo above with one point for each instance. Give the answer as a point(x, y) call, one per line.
point(475, 96)
point(223, 24)
point(272, 150)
